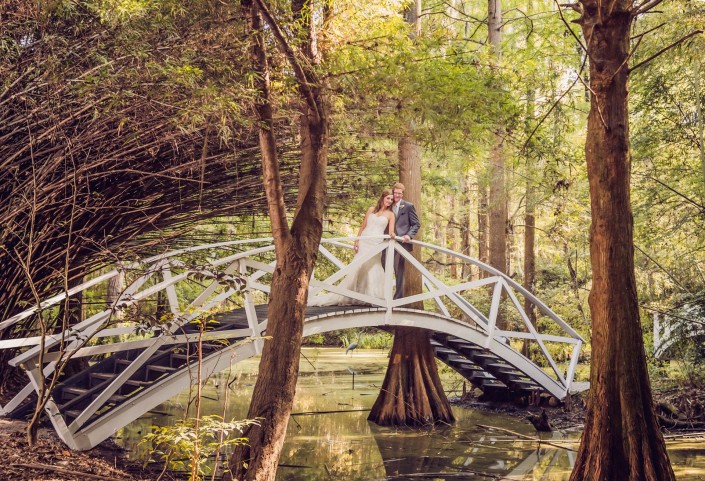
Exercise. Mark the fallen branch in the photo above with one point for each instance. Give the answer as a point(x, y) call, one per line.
point(313, 413)
point(523, 436)
point(443, 475)
point(664, 422)
point(694, 436)
point(58, 469)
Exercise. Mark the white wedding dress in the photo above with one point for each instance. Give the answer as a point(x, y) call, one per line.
point(367, 278)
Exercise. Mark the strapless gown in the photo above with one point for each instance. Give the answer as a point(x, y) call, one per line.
point(366, 279)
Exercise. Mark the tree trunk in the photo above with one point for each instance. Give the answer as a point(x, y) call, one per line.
point(410, 176)
point(482, 221)
point(498, 197)
point(701, 123)
point(465, 235)
point(296, 248)
point(412, 393)
point(116, 286)
point(453, 236)
point(273, 394)
point(497, 205)
point(530, 212)
point(622, 439)
point(529, 255)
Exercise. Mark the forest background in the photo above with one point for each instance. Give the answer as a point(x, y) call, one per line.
point(126, 130)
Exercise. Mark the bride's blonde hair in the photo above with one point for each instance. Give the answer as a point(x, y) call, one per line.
point(380, 202)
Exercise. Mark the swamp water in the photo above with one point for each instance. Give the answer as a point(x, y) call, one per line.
point(325, 444)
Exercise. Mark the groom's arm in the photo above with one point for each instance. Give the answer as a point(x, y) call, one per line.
point(414, 223)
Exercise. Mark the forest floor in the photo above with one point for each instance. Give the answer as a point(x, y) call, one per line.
point(680, 408)
point(51, 460)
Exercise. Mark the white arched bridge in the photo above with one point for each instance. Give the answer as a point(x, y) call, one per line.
point(142, 347)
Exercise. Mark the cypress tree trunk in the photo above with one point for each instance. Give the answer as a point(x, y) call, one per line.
point(453, 235)
point(465, 232)
point(482, 223)
point(622, 440)
point(530, 213)
point(412, 393)
point(498, 196)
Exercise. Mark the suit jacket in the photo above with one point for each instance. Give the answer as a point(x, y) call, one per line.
point(407, 221)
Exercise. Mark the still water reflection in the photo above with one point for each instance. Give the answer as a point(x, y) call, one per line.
point(329, 437)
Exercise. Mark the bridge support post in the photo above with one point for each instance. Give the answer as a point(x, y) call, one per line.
point(388, 280)
point(251, 313)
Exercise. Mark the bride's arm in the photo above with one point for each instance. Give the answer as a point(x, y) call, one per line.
point(362, 227)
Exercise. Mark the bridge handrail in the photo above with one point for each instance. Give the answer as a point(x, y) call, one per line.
point(52, 301)
point(156, 263)
point(486, 267)
point(254, 268)
point(73, 331)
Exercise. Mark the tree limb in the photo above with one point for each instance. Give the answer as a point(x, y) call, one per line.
point(646, 6)
point(560, 12)
point(662, 268)
point(305, 76)
point(665, 49)
point(679, 194)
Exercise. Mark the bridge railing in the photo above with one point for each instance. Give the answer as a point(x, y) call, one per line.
point(234, 274)
point(492, 301)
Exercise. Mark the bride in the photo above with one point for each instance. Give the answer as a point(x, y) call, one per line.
point(369, 277)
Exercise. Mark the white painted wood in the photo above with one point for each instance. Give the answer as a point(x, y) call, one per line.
point(533, 331)
point(479, 330)
point(494, 310)
point(171, 292)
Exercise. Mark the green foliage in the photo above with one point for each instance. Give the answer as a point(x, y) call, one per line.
point(316, 340)
point(367, 339)
point(188, 442)
point(383, 79)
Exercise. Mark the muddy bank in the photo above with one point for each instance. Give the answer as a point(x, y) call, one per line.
point(51, 460)
point(680, 409)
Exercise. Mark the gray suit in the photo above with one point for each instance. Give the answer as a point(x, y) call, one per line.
point(407, 223)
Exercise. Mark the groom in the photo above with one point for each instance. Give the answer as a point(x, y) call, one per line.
point(406, 226)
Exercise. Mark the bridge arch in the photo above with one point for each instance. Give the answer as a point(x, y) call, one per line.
point(150, 363)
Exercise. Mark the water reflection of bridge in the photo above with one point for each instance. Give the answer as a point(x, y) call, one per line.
point(471, 454)
point(136, 364)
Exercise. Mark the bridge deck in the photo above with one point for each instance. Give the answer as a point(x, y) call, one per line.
point(480, 366)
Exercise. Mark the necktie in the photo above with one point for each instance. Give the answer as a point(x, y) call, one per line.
point(396, 209)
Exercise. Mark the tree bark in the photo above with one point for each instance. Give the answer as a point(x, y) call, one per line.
point(701, 123)
point(116, 286)
point(530, 211)
point(622, 440)
point(529, 254)
point(482, 222)
point(412, 393)
point(453, 235)
point(465, 235)
point(497, 206)
point(497, 210)
point(410, 176)
point(296, 248)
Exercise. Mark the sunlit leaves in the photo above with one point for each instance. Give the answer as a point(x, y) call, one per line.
point(195, 441)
